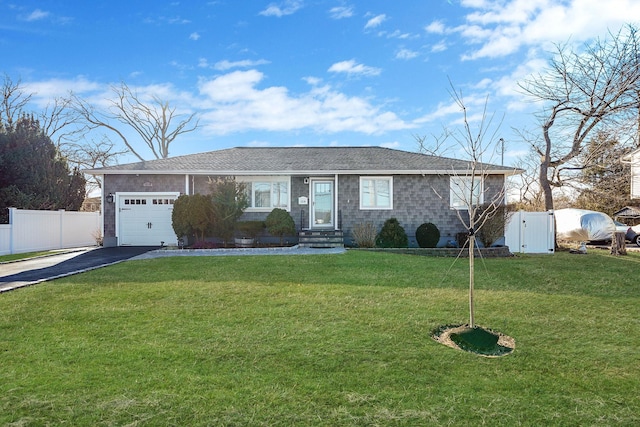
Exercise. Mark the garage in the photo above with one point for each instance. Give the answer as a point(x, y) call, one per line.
point(144, 219)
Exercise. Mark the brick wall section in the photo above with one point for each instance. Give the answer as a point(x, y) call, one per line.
point(416, 199)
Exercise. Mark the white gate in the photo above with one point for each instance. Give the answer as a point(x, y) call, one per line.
point(531, 232)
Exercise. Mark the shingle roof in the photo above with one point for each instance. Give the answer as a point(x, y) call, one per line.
point(301, 160)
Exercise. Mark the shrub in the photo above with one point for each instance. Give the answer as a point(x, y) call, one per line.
point(192, 215)
point(180, 217)
point(364, 235)
point(392, 235)
point(280, 223)
point(493, 228)
point(229, 200)
point(427, 235)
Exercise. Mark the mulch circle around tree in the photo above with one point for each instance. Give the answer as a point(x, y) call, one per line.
point(477, 340)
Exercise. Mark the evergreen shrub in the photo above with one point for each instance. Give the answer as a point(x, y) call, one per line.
point(392, 235)
point(428, 235)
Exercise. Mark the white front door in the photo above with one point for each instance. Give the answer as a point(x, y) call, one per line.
point(144, 219)
point(322, 210)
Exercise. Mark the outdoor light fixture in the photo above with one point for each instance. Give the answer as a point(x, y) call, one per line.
point(110, 198)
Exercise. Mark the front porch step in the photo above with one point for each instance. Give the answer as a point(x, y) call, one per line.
point(321, 239)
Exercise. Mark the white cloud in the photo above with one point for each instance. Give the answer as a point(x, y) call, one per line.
point(391, 144)
point(436, 27)
point(45, 91)
point(246, 63)
point(503, 27)
point(234, 103)
point(473, 102)
point(194, 36)
point(406, 54)
point(376, 21)
point(350, 67)
point(341, 12)
point(441, 46)
point(37, 15)
point(288, 7)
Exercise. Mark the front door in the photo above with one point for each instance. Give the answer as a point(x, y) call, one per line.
point(322, 210)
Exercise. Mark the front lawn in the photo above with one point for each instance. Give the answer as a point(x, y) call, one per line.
point(328, 340)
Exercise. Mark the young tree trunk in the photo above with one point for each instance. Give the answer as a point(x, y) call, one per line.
point(471, 279)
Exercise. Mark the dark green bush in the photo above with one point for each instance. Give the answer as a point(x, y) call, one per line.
point(192, 216)
point(229, 200)
point(392, 235)
point(280, 223)
point(427, 235)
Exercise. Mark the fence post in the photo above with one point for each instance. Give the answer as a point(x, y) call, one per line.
point(61, 227)
point(12, 212)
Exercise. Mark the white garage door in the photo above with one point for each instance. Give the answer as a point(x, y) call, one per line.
point(145, 219)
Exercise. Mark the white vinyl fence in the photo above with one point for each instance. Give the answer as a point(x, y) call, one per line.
point(30, 231)
point(531, 232)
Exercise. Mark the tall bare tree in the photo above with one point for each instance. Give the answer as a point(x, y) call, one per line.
point(13, 102)
point(153, 121)
point(583, 92)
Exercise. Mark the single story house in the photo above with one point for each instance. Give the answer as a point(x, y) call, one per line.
point(326, 189)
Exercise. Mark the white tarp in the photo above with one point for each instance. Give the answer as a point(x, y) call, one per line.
point(583, 225)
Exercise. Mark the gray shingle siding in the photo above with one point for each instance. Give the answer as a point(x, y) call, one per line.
point(420, 182)
point(416, 199)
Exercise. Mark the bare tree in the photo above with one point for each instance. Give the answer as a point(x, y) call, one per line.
point(13, 102)
point(583, 92)
point(481, 205)
point(155, 122)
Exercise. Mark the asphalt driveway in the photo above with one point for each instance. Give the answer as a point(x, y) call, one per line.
point(29, 272)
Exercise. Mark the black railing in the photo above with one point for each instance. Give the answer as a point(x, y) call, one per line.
point(303, 216)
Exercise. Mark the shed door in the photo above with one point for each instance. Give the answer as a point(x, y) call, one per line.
point(145, 219)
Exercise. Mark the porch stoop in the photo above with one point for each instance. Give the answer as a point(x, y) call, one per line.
point(321, 239)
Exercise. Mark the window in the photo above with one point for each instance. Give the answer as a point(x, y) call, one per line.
point(376, 192)
point(461, 189)
point(265, 193)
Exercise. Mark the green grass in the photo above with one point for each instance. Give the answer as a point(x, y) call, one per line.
point(329, 340)
point(15, 257)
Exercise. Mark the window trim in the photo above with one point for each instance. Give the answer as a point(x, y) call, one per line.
point(251, 180)
point(389, 179)
point(455, 201)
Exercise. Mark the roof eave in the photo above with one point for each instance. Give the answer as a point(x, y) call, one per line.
point(510, 172)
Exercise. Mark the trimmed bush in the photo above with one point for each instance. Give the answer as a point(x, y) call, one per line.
point(280, 223)
point(427, 235)
point(192, 216)
point(392, 235)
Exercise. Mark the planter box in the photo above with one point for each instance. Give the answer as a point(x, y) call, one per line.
point(244, 242)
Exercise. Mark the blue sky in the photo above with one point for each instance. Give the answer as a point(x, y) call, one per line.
point(302, 72)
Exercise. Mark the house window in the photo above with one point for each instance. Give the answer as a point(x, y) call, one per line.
point(376, 192)
point(265, 194)
point(465, 191)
